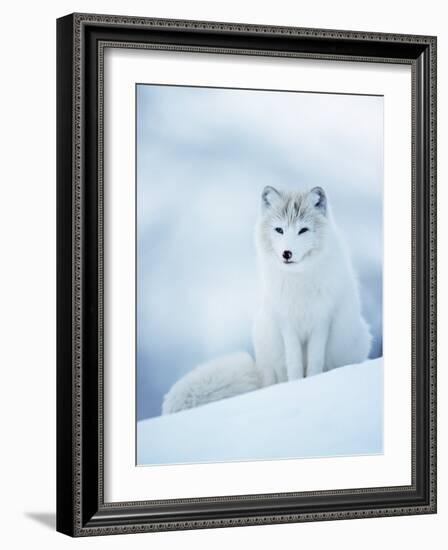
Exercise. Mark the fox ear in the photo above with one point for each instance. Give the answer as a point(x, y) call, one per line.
point(319, 199)
point(269, 196)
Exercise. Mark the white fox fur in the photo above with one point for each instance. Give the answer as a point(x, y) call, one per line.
point(309, 320)
point(226, 376)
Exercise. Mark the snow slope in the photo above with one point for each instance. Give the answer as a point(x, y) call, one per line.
point(336, 413)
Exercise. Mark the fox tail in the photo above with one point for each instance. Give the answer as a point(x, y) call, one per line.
point(223, 377)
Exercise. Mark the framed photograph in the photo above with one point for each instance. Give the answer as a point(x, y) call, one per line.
point(246, 274)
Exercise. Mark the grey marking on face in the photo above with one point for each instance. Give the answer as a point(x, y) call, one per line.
point(292, 207)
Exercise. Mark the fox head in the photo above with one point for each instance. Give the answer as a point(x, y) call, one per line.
point(292, 226)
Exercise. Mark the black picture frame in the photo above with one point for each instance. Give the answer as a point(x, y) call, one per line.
point(81, 510)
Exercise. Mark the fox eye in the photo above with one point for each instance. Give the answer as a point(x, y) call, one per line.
point(303, 230)
point(279, 230)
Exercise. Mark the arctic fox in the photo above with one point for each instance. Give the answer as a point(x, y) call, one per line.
point(309, 320)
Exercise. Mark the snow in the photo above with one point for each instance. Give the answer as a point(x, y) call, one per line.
point(338, 413)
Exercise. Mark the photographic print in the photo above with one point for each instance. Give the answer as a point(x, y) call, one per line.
point(259, 261)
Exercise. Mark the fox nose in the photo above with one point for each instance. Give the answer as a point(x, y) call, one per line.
point(287, 254)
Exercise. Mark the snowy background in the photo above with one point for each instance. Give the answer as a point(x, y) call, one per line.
point(203, 157)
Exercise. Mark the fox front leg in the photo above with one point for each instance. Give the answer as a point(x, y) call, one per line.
point(316, 349)
point(293, 354)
